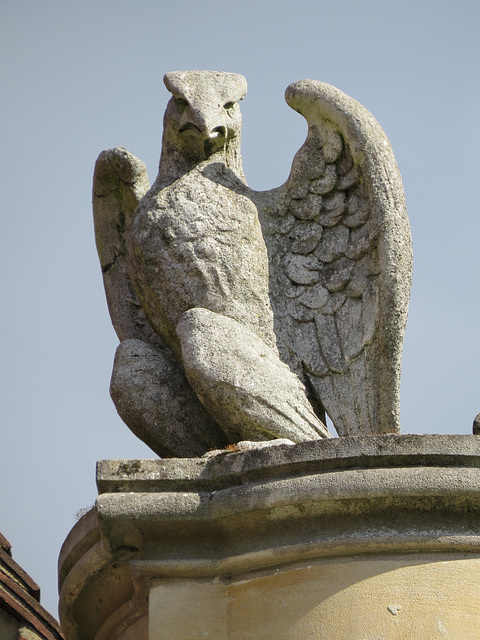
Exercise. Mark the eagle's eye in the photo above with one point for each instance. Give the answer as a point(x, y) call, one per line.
point(229, 105)
point(181, 102)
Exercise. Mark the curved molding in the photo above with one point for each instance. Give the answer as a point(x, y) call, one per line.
point(256, 510)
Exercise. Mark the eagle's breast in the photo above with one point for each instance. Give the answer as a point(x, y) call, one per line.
point(197, 243)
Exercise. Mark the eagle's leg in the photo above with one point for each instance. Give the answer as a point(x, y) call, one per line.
point(155, 400)
point(242, 382)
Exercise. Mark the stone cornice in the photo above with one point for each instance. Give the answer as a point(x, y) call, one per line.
point(240, 513)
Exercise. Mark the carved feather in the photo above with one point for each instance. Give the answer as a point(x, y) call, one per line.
point(340, 261)
point(120, 181)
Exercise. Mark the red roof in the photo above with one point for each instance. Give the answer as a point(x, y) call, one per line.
point(20, 597)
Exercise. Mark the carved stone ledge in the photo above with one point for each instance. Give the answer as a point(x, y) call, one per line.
point(353, 537)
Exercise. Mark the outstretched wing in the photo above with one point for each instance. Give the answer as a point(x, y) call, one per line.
point(340, 258)
point(119, 183)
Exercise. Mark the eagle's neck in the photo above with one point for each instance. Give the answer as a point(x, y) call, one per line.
point(179, 158)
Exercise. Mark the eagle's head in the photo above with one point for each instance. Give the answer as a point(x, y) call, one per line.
point(202, 120)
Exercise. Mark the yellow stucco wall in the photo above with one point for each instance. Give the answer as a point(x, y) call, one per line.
point(401, 597)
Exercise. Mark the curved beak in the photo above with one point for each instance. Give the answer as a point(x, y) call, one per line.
point(206, 124)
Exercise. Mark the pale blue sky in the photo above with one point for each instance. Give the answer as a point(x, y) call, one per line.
point(78, 77)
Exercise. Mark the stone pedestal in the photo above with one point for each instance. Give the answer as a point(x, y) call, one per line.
point(365, 538)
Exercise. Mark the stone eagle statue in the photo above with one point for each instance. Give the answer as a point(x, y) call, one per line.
point(247, 315)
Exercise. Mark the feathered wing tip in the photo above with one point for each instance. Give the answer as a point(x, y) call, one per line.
point(340, 248)
point(119, 183)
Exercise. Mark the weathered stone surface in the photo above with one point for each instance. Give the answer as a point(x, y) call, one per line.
point(306, 458)
point(326, 182)
point(120, 181)
point(476, 425)
point(306, 237)
point(247, 445)
point(219, 356)
point(365, 233)
point(331, 529)
point(302, 269)
point(155, 399)
point(197, 243)
point(269, 262)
